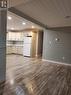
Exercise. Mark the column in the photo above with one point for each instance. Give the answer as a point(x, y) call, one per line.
point(3, 18)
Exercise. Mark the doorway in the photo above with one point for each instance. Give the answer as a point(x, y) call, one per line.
point(28, 43)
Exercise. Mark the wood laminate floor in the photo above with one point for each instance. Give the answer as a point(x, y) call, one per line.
point(30, 76)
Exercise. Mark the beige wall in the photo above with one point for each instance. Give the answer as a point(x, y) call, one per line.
point(37, 44)
point(33, 45)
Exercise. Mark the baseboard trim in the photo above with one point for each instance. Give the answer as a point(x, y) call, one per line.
point(38, 56)
point(14, 54)
point(56, 62)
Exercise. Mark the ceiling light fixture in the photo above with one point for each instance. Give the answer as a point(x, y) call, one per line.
point(33, 27)
point(12, 28)
point(24, 23)
point(11, 82)
point(9, 17)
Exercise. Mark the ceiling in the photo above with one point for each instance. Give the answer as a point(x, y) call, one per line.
point(53, 13)
point(12, 3)
point(18, 23)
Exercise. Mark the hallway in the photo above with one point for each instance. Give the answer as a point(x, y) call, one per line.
point(30, 76)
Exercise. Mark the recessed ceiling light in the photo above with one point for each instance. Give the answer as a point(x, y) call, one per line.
point(24, 23)
point(9, 17)
point(12, 28)
point(33, 27)
point(11, 82)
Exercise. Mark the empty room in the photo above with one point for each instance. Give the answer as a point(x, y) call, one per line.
point(35, 47)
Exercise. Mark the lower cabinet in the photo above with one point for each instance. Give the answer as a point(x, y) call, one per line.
point(14, 50)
